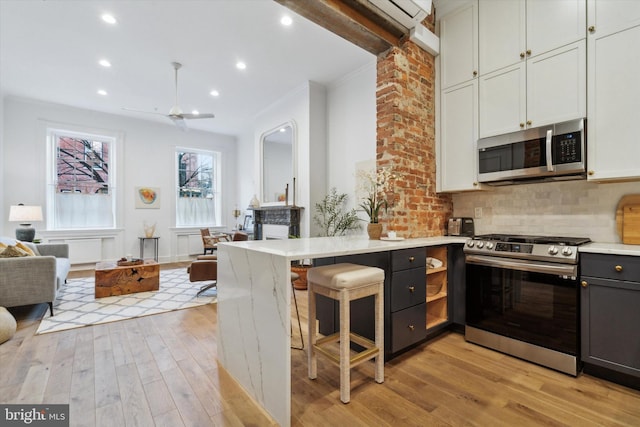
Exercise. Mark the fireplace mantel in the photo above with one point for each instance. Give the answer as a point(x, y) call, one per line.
point(277, 215)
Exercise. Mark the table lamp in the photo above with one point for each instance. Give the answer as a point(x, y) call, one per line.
point(25, 215)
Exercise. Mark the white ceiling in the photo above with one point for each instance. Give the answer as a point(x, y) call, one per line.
point(49, 50)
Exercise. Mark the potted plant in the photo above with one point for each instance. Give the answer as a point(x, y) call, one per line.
point(375, 185)
point(331, 217)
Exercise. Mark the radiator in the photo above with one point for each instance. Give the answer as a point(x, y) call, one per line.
point(195, 244)
point(83, 251)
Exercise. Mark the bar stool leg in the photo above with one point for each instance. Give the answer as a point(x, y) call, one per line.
point(295, 300)
point(345, 359)
point(311, 354)
point(379, 376)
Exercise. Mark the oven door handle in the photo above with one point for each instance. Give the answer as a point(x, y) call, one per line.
point(532, 267)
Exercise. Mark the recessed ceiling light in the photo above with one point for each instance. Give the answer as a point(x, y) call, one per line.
point(241, 65)
point(102, 92)
point(196, 112)
point(283, 130)
point(286, 21)
point(109, 19)
point(214, 93)
point(104, 63)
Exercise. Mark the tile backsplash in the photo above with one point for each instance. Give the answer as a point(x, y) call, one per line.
point(570, 208)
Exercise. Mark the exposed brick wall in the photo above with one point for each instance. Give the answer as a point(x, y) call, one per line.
point(406, 141)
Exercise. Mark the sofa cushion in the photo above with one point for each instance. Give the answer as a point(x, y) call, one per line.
point(13, 252)
point(26, 248)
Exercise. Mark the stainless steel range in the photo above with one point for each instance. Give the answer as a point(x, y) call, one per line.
point(522, 297)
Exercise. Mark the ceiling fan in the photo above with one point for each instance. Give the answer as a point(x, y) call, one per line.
point(176, 114)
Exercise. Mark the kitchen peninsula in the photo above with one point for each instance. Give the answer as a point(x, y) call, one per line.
point(254, 312)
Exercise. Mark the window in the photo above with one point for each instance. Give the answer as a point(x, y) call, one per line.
point(80, 190)
point(198, 195)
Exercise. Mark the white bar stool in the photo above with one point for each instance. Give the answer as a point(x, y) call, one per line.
point(346, 282)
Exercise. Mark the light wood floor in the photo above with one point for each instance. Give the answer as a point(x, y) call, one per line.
point(161, 370)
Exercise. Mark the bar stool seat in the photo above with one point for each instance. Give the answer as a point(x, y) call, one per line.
point(346, 282)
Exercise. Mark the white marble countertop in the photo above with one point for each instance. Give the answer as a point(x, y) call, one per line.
point(319, 247)
point(610, 249)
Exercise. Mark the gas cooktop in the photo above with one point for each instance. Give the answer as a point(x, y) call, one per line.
point(553, 240)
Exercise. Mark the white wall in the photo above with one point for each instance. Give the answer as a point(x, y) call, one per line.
point(351, 124)
point(4, 208)
point(147, 159)
point(571, 208)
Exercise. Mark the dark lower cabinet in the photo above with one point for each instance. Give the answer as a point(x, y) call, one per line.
point(610, 317)
point(406, 305)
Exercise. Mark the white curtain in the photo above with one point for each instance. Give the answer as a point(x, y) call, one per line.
point(76, 210)
point(195, 211)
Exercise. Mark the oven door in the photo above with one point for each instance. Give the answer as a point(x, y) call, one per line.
point(534, 302)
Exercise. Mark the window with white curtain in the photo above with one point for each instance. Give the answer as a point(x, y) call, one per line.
point(198, 189)
point(80, 182)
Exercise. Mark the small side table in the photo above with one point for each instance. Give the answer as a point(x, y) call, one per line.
point(155, 246)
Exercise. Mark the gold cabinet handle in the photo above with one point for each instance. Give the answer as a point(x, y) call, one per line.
point(521, 55)
point(618, 268)
point(521, 125)
point(529, 122)
point(411, 327)
point(591, 173)
point(592, 29)
point(475, 184)
point(528, 52)
point(412, 258)
point(584, 284)
point(412, 289)
point(475, 73)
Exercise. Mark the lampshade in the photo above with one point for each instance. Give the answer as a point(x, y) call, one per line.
point(25, 214)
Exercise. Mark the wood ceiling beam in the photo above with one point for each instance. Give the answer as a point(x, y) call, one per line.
point(350, 20)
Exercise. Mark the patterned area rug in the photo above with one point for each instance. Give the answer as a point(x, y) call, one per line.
point(77, 306)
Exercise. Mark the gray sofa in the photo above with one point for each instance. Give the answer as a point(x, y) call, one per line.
point(34, 279)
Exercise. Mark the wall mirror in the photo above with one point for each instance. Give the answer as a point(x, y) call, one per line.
point(278, 164)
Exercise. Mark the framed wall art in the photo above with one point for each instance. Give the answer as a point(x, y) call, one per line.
point(147, 198)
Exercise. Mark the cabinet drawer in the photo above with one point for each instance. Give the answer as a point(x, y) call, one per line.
point(403, 259)
point(607, 266)
point(408, 327)
point(408, 288)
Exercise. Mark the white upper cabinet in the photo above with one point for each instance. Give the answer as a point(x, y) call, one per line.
point(613, 151)
point(457, 165)
point(501, 33)
point(459, 45)
point(608, 16)
point(538, 44)
point(515, 30)
point(551, 24)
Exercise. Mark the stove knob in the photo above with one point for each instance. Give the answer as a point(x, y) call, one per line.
point(553, 250)
point(470, 243)
point(567, 251)
point(489, 245)
point(480, 245)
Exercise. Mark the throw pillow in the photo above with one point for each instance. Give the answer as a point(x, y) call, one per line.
point(13, 252)
point(25, 248)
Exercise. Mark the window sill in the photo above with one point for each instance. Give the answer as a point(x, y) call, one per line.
point(88, 233)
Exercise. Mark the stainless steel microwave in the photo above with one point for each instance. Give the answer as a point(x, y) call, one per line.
point(553, 152)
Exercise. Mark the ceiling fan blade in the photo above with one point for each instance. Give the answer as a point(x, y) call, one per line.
point(198, 116)
point(179, 122)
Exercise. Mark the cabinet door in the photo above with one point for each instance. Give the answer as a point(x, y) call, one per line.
point(607, 17)
point(610, 319)
point(459, 45)
point(502, 101)
point(458, 168)
point(551, 24)
point(613, 85)
point(557, 85)
point(501, 33)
